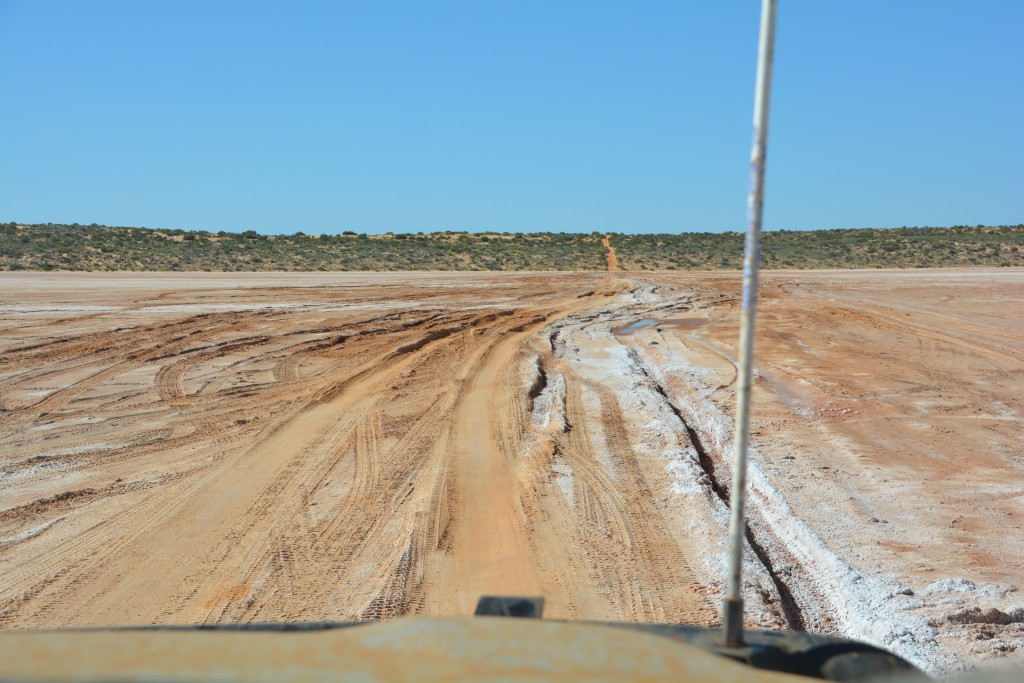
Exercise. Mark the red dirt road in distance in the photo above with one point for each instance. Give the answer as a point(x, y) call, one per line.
point(613, 260)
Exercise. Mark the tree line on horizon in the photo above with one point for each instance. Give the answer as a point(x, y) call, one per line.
point(51, 246)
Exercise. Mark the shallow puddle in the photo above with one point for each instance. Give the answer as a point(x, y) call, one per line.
point(679, 323)
point(633, 327)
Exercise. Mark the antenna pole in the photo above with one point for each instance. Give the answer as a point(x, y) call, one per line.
point(732, 611)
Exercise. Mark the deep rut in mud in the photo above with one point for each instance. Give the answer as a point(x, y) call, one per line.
point(791, 609)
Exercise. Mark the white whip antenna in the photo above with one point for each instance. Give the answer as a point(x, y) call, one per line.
point(732, 610)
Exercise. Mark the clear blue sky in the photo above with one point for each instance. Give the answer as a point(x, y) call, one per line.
point(520, 116)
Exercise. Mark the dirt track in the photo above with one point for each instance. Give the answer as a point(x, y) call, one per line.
point(209, 448)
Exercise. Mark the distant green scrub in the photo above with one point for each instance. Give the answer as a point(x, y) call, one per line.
point(97, 247)
point(861, 248)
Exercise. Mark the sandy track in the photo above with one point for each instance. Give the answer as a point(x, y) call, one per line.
point(198, 449)
point(316, 453)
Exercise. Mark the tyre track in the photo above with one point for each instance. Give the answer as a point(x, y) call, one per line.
point(340, 491)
